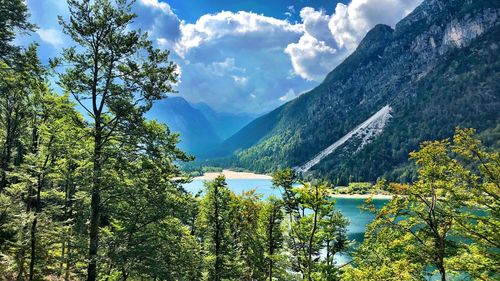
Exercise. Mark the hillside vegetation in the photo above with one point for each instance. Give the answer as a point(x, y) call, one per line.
point(438, 69)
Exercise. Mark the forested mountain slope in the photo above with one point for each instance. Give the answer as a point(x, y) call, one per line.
point(438, 69)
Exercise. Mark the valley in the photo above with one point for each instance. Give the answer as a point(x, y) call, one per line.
point(328, 140)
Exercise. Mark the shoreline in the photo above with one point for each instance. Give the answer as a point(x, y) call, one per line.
point(252, 176)
point(233, 176)
point(363, 196)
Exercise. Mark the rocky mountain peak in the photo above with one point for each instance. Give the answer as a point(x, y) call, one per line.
point(377, 37)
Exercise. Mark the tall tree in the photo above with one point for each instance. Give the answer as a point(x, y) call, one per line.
point(115, 74)
point(313, 223)
point(13, 20)
point(272, 225)
point(247, 210)
point(148, 214)
point(214, 223)
point(54, 122)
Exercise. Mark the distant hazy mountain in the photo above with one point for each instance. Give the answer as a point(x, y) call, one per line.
point(438, 69)
point(196, 133)
point(225, 124)
point(200, 127)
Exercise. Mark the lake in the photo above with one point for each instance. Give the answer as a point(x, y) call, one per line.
point(348, 206)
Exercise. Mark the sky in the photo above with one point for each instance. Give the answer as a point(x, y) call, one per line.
point(241, 56)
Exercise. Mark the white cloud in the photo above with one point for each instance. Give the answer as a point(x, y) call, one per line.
point(350, 23)
point(235, 61)
point(312, 58)
point(241, 80)
point(158, 5)
point(52, 36)
point(226, 67)
point(158, 19)
point(216, 27)
point(241, 61)
point(289, 95)
point(329, 39)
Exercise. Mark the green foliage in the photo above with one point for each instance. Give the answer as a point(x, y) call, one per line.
point(314, 224)
point(119, 72)
point(447, 220)
point(214, 225)
point(13, 20)
point(356, 188)
point(102, 197)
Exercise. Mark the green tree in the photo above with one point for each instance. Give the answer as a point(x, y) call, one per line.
point(314, 224)
point(148, 210)
point(13, 20)
point(246, 212)
point(46, 125)
point(272, 225)
point(115, 74)
point(446, 220)
point(53, 117)
point(18, 87)
point(214, 223)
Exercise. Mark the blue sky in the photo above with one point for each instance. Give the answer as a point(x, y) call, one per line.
point(242, 56)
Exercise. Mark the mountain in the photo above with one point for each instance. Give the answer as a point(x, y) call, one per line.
point(225, 124)
point(196, 133)
point(436, 70)
point(200, 127)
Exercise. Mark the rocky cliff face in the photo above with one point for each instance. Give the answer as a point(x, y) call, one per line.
point(437, 69)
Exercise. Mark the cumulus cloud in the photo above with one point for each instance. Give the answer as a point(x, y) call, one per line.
point(210, 28)
point(312, 58)
point(234, 61)
point(350, 23)
point(52, 36)
point(158, 19)
point(328, 39)
point(243, 61)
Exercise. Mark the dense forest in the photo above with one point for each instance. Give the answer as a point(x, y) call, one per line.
point(91, 190)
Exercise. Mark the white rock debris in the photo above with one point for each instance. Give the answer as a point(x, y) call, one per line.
point(367, 130)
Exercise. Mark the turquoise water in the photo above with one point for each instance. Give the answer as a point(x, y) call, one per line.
point(349, 207)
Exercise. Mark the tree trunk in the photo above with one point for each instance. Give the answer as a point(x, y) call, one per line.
point(442, 272)
point(6, 153)
point(271, 247)
point(21, 259)
point(124, 275)
point(95, 204)
point(442, 269)
point(217, 239)
point(68, 214)
point(311, 238)
point(33, 248)
point(68, 261)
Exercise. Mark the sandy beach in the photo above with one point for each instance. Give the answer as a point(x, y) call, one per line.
point(362, 196)
point(233, 175)
point(246, 175)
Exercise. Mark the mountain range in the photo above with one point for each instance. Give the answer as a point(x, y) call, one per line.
point(436, 70)
point(200, 127)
